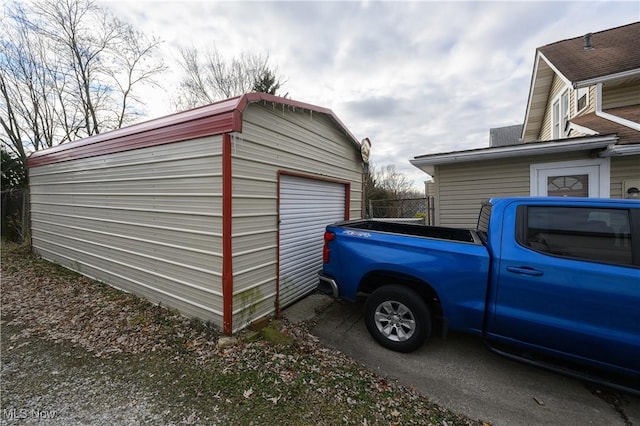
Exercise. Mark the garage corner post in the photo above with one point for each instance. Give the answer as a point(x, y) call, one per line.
point(227, 255)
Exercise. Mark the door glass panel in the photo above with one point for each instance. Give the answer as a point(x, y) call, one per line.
point(568, 186)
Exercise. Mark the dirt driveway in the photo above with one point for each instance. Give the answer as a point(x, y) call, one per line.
point(461, 374)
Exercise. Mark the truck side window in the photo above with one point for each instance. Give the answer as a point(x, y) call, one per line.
point(587, 233)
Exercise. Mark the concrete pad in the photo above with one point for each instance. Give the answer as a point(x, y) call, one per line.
point(461, 374)
point(308, 308)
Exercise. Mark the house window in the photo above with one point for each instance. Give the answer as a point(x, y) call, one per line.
point(582, 98)
point(561, 116)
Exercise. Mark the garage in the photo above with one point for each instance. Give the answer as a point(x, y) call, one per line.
point(217, 212)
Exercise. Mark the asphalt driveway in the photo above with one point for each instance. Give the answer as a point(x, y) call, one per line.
point(461, 374)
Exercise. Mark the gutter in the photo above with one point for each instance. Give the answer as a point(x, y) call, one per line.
point(620, 150)
point(600, 113)
point(535, 148)
point(606, 79)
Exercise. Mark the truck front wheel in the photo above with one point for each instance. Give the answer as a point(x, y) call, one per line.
point(398, 318)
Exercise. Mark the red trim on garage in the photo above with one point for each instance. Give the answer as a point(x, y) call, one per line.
point(347, 202)
point(94, 147)
point(227, 254)
point(215, 119)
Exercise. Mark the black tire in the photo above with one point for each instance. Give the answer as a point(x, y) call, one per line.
point(397, 318)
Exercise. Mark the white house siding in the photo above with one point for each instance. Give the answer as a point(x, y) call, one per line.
point(620, 96)
point(277, 139)
point(557, 87)
point(592, 101)
point(147, 221)
point(462, 187)
point(623, 168)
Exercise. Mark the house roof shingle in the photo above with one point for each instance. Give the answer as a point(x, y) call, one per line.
point(613, 51)
point(503, 136)
point(603, 126)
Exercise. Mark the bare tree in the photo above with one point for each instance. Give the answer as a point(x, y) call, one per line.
point(389, 193)
point(69, 69)
point(27, 118)
point(394, 183)
point(208, 77)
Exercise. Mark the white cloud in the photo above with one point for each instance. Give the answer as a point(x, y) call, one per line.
point(415, 78)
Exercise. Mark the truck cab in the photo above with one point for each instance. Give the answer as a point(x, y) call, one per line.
point(566, 280)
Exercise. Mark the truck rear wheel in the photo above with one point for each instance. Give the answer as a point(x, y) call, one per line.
point(398, 318)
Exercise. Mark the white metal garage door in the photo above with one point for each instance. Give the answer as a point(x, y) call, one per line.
point(307, 206)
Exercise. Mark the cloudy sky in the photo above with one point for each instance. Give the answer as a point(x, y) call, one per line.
point(414, 77)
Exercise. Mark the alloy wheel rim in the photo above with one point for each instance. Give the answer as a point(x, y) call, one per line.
point(395, 321)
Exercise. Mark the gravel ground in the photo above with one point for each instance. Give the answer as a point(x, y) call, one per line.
point(77, 352)
point(46, 381)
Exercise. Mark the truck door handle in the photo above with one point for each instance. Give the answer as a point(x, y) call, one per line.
point(525, 270)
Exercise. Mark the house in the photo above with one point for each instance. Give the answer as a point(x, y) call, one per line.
point(218, 212)
point(580, 137)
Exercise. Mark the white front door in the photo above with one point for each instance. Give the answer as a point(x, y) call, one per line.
point(581, 178)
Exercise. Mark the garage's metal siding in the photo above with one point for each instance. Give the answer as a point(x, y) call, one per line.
point(277, 138)
point(147, 221)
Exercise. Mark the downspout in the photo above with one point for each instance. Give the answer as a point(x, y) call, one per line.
point(611, 117)
point(227, 254)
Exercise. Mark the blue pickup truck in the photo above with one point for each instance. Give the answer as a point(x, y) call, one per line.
point(550, 281)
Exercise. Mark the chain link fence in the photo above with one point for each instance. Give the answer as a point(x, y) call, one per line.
point(418, 210)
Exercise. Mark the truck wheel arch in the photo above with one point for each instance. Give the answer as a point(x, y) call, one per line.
point(376, 279)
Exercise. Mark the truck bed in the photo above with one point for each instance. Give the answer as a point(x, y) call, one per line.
point(454, 234)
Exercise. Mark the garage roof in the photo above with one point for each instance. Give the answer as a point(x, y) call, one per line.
point(214, 119)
